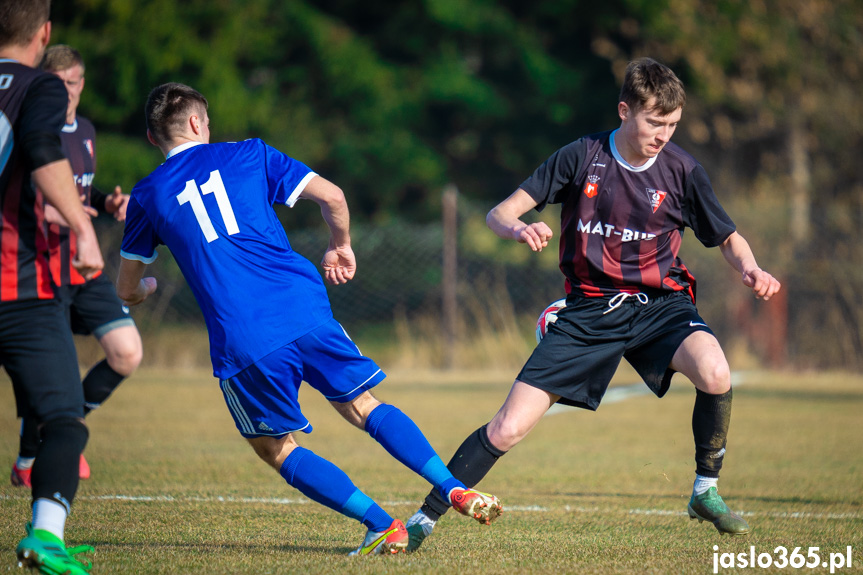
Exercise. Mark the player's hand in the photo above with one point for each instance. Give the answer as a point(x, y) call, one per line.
point(146, 287)
point(53, 215)
point(88, 259)
point(762, 283)
point(535, 235)
point(339, 265)
point(116, 204)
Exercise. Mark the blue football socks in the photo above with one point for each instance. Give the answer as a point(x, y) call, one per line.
point(325, 483)
point(402, 439)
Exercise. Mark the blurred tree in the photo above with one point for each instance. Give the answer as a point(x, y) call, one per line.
point(776, 105)
point(394, 100)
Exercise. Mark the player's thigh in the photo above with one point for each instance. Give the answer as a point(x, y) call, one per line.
point(334, 365)
point(96, 309)
point(263, 398)
point(579, 354)
point(658, 332)
point(38, 353)
point(524, 407)
point(701, 359)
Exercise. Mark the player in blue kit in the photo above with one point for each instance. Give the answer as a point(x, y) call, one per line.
point(626, 196)
point(267, 311)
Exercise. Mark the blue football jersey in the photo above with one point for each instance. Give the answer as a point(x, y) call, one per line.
point(212, 205)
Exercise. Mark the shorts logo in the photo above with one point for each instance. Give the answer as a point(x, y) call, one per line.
point(264, 427)
point(696, 324)
point(591, 188)
point(88, 143)
point(655, 197)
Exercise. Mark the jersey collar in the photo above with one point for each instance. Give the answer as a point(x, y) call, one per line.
point(71, 128)
point(181, 148)
point(626, 164)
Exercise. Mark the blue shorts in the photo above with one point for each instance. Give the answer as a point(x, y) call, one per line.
point(263, 399)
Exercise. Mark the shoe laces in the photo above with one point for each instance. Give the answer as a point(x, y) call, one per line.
point(618, 300)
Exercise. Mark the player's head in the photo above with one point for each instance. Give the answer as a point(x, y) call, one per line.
point(647, 79)
point(173, 111)
point(21, 21)
point(67, 64)
point(650, 107)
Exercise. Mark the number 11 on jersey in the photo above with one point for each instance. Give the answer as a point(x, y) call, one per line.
point(214, 186)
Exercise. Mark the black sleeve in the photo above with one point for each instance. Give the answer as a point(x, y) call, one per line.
point(702, 211)
point(43, 114)
point(97, 199)
point(550, 183)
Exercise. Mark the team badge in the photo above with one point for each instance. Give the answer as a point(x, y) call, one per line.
point(655, 197)
point(591, 188)
point(88, 143)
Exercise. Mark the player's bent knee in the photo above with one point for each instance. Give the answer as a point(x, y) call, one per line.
point(357, 411)
point(505, 434)
point(123, 350)
point(273, 450)
point(716, 378)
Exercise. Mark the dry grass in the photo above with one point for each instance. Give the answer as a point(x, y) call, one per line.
point(176, 490)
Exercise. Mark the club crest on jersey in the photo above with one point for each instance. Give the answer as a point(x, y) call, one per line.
point(655, 197)
point(88, 143)
point(591, 188)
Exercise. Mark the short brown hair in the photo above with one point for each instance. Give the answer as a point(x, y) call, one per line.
point(61, 57)
point(20, 19)
point(646, 78)
point(167, 108)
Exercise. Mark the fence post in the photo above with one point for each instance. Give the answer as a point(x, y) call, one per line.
point(450, 274)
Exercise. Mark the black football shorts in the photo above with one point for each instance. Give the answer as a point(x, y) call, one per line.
point(93, 307)
point(582, 349)
point(38, 353)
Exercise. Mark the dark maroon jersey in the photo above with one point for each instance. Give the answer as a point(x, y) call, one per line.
point(32, 111)
point(622, 226)
point(79, 146)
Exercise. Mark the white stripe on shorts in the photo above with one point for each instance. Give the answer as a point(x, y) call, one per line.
point(236, 408)
point(336, 398)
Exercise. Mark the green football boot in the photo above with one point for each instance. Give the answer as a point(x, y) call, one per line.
point(46, 552)
point(709, 506)
point(419, 527)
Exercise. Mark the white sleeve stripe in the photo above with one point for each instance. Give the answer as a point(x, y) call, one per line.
point(138, 258)
point(292, 199)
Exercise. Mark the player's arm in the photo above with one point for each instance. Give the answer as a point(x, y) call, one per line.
point(132, 286)
point(738, 253)
point(339, 262)
point(56, 182)
point(53, 216)
point(42, 114)
point(505, 220)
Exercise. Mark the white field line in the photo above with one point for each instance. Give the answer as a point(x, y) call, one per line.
point(614, 395)
point(288, 501)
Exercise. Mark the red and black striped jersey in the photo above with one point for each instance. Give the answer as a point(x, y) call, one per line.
point(622, 226)
point(32, 111)
point(79, 146)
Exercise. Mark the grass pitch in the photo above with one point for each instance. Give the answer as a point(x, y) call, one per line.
point(175, 489)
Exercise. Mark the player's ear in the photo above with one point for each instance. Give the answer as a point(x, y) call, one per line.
point(46, 30)
point(622, 110)
point(151, 139)
point(195, 124)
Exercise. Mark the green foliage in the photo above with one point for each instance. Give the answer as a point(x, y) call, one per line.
point(393, 101)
